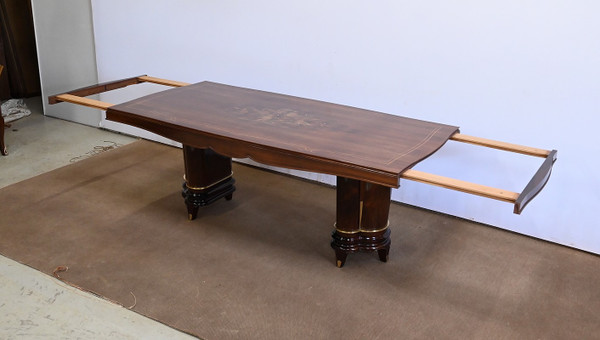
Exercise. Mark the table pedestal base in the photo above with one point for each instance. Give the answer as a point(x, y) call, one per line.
point(362, 223)
point(362, 208)
point(208, 177)
point(344, 244)
point(194, 199)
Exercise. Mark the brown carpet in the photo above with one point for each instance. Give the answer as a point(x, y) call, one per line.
point(260, 266)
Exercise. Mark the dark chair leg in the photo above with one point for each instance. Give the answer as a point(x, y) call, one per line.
point(2, 145)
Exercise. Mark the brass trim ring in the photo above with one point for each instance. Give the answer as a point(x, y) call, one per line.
point(361, 230)
point(208, 186)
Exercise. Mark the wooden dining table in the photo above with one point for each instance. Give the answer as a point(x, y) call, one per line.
point(369, 152)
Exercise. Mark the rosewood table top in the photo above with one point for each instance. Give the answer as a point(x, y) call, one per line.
point(287, 131)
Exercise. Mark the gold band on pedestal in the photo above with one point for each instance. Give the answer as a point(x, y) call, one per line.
point(362, 230)
point(208, 186)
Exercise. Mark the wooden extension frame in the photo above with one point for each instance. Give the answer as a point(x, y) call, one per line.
point(520, 200)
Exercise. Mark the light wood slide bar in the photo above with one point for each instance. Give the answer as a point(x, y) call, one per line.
point(500, 145)
point(163, 81)
point(456, 184)
point(96, 104)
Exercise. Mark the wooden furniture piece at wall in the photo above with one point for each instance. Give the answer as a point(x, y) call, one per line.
point(18, 50)
point(368, 151)
point(18, 56)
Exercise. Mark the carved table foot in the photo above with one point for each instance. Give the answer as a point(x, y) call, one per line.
point(346, 243)
point(194, 198)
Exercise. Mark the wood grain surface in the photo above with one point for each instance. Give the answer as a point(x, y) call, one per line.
point(287, 131)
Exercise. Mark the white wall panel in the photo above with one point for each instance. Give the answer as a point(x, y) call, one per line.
point(66, 56)
point(520, 71)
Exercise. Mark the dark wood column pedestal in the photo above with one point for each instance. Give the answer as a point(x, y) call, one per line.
point(208, 177)
point(362, 223)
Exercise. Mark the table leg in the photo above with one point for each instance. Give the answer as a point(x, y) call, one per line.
point(362, 223)
point(208, 177)
point(3, 150)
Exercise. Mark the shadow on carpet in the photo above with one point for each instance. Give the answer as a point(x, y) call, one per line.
point(260, 266)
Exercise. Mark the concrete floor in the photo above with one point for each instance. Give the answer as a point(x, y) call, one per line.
point(34, 305)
